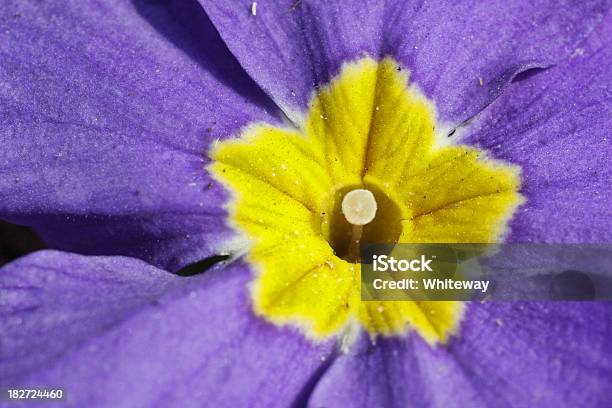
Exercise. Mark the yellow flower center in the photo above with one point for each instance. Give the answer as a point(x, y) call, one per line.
point(366, 130)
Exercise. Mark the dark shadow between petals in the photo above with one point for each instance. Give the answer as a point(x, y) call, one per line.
point(17, 241)
point(528, 73)
point(202, 266)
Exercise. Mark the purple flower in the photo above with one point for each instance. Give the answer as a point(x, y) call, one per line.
point(136, 132)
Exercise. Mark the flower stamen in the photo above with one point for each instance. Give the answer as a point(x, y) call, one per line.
point(359, 208)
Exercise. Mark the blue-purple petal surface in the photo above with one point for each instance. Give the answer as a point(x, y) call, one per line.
point(450, 47)
point(506, 355)
point(108, 158)
point(106, 112)
point(556, 126)
point(116, 332)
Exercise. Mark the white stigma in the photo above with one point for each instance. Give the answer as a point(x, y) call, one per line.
point(359, 206)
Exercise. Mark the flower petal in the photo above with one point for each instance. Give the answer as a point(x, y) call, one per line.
point(463, 54)
point(541, 354)
point(555, 126)
point(117, 332)
point(107, 112)
point(53, 301)
point(508, 354)
point(289, 46)
point(398, 372)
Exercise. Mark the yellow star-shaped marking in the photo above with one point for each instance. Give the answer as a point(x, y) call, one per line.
point(366, 129)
